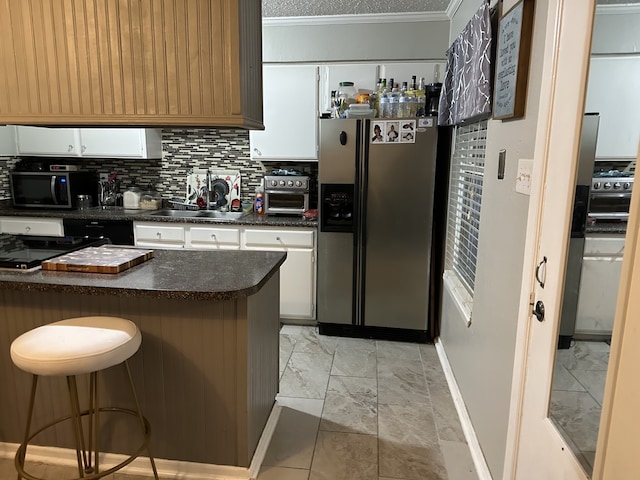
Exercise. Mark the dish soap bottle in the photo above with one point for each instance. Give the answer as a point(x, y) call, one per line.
point(258, 205)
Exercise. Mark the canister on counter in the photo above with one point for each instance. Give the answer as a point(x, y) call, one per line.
point(84, 202)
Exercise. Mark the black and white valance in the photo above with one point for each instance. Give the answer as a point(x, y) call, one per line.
point(466, 88)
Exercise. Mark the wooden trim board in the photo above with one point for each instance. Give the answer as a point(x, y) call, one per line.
point(104, 259)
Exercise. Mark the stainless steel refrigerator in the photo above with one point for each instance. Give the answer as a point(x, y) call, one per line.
point(375, 205)
point(584, 176)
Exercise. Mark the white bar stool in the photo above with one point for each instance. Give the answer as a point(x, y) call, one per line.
point(73, 347)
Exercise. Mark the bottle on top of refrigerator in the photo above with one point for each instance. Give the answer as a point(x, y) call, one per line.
point(404, 102)
point(379, 91)
point(422, 98)
point(412, 93)
point(394, 99)
point(385, 106)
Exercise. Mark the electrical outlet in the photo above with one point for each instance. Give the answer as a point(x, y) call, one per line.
point(523, 179)
point(104, 177)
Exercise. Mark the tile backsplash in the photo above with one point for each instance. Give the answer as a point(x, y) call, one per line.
point(183, 150)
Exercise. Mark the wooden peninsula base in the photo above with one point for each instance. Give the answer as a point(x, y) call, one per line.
point(207, 371)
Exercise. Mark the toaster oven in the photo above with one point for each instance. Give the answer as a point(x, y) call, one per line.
point(286, 194)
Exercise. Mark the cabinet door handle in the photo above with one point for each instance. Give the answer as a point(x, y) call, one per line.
point(257, 152)
point(70, 149)
point(213, 235)
point(158, 234)
point(84, 148)
point(541, 272)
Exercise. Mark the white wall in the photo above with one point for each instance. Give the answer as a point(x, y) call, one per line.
point(315, 43)
point(615, 29)
point(481, 355)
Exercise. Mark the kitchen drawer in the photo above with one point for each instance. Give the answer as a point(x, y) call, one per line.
point(214, 237)
point(158, 234)
point(604, 245)
point(278, 238)
point(32, 226)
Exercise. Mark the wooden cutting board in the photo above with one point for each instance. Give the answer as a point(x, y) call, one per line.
point(105, 259)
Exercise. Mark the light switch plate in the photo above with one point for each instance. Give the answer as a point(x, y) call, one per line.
point(523, 178)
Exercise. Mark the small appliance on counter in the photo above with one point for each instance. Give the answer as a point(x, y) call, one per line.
point(286, 192)
point(25, 253)
point(48, 184)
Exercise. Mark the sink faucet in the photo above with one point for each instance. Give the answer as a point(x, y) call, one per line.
point(208, 190)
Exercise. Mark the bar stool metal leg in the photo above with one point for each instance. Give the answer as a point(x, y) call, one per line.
point(20, 454)
point(76, 421)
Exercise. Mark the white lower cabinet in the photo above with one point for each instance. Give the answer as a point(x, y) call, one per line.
point(601, 268)
point(160, 235)
point(48, 227)
point(214, 238)
point(297, 274)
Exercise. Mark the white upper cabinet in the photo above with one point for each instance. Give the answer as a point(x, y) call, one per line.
point(121, 142)
point(8, 141)
point(290, 99)
point(614, 92)
point(47, 141)
point(89, 142)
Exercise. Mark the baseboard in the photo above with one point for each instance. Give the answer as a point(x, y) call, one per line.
point(166, 468)
point(479, 461)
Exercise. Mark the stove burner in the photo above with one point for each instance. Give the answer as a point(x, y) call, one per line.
point(280, 172)
point(612, 174)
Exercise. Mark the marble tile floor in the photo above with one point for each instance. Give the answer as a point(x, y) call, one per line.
point(356, 409)
point(576, 397)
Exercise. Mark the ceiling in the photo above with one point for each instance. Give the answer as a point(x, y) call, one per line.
point(306, 8)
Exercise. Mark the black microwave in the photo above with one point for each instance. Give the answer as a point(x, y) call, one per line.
point(52, 189)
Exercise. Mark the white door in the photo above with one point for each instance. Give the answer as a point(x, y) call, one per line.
point(539, 450)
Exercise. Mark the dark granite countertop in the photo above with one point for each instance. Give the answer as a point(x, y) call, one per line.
point(120, 213)
point(173, 274)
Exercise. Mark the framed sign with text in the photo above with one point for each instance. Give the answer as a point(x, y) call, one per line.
point(512, 61)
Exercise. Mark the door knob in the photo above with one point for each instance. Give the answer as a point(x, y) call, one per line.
point(538, 311)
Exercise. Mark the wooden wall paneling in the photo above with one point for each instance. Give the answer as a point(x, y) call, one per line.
point(190, 373)
point(263, 358)
point(8, 82)
point(132, 62)
point(250, 53)
point(205, 47)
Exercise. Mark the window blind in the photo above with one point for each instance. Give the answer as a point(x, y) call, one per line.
point(465, 201)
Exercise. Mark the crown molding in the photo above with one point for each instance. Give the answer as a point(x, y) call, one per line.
point(453, 7)
point(353, 19)
point(621, 9)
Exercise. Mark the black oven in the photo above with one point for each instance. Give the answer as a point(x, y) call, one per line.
point(611, 196)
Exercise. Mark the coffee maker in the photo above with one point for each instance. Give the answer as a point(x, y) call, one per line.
point(432, 92)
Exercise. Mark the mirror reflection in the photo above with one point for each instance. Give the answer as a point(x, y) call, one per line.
point(604, 183)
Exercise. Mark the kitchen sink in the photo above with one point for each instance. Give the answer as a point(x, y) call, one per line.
point(203, 214)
